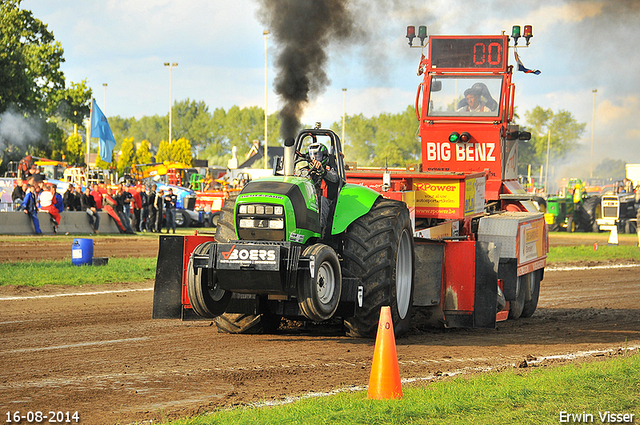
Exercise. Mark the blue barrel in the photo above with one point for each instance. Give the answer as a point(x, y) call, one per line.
point(82, 252)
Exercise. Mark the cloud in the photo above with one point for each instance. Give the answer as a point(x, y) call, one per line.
point(627, 108)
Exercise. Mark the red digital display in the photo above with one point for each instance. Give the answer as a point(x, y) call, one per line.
point(468, 53)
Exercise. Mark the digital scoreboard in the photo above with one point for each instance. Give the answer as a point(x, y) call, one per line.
point(474, 53)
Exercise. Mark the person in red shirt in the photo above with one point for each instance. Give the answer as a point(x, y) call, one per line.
point(137, 206)
point(97, 196)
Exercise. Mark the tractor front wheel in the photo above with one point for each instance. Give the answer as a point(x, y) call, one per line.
point(319, 290)
point(206, 297)
point(231, 322)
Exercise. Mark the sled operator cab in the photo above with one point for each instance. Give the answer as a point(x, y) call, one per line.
point(465, 106)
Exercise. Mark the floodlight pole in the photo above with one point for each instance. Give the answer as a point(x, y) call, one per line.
point(266, 147)
point(170, 65)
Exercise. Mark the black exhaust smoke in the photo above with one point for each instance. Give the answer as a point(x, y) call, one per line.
point(303, 31)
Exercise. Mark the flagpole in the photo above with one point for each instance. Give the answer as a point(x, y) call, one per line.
point(89, 130)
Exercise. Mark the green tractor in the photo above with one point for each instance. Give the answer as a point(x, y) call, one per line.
point(573, 209)
point(271, 258)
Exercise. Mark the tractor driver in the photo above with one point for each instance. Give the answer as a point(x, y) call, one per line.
point(477, 99)
point(325, 178)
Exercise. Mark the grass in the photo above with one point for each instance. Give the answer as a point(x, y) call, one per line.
point(536, 396)
point(575, 253)
point(65, 273)
point(141, 269)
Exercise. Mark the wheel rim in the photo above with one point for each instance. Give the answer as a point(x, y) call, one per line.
point(214, 291)
point(325, 284)
point(404, 267)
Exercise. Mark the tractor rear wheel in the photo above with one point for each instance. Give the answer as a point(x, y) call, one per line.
point(531, 304)
point(378, 248)
point(319, 291)
point(225, 228)
point(516, 306)
point(231, 322)
point(571, 224)
point(206, 297)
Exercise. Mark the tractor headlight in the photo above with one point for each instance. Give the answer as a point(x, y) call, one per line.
point(261, 216)
point(276, 224)
point(261, 209)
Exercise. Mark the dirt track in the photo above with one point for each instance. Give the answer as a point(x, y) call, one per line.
point(103, 356)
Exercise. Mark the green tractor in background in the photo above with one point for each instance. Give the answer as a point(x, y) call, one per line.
point(573, 209)
point(271, 259)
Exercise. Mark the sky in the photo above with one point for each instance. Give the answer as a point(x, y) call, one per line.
point(219, 46)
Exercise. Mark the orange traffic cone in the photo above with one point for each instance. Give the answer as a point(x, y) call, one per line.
point(384, 381)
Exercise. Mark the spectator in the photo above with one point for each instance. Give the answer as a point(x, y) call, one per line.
point(77, 206)
point(159, 201)
point(123, 207)
point(97, 196)
point(153, 210)
point(88, 204)
point(109, 204)
point(34, 172)
point(49, 203)
point(136, 203)
point(30, 207)
point(170, 209)
point(25, 166)
point(69, 198)
point(18, 194)
point(144, 217)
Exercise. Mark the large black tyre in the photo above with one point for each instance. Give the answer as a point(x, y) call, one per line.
point(213, 220)
point(247, 323)
point(378, 248)
point(531, 304)
point(319, 295)
point(239, 323)
point(182, 219)
point(630, 227)
point(206, 298)
point(226, 229)
point(571, 224)
point(591, 205)
point(516, 306)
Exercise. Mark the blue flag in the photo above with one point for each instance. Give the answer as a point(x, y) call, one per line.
point(100, 129)
point(524, 69)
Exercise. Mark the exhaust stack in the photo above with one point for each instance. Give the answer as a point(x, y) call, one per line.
point(289, 156)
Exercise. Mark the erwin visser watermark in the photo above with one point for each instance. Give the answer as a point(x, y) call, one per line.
point(600, 417)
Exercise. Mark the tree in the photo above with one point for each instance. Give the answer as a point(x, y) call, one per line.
point(388, 139)
point(565, 134)
point(610, 169)
point(127, 154)
point(143, 153)
point(164, 152)
point(30, 59)
point(74, 148)
point(181, 151)
point(191, 120)
point(73, 103)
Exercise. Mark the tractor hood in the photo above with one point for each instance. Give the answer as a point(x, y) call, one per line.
point(296, 194)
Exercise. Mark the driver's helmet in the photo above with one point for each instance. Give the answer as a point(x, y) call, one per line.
point(319, 152)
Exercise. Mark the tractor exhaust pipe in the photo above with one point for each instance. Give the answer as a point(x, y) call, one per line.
point(289, 153)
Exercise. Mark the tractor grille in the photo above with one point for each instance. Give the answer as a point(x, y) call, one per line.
point(609, 212)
